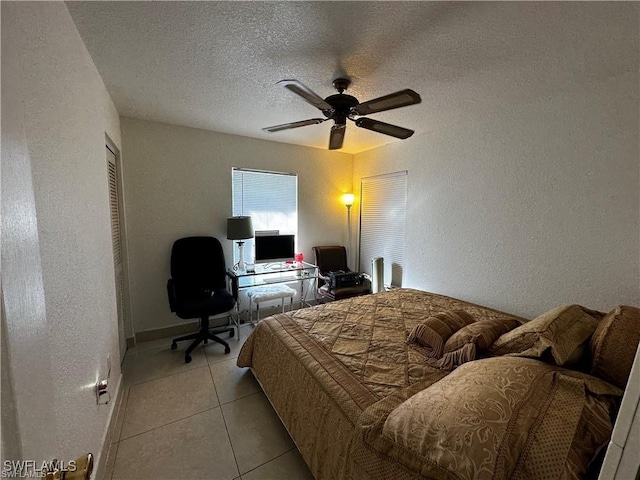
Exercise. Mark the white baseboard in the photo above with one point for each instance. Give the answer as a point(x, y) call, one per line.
point(111, 432)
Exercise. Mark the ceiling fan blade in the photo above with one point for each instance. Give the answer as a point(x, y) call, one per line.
point(287, 126)
point(388, 102)
point(337, 137)
point(386, 128)
point(306, 93)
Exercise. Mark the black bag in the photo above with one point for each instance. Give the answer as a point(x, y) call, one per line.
point(340, 278)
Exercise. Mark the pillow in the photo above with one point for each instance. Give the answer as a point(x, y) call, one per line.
point(464, 344)
point(435, 331)
point(614, 344)
point(557, 333)
point(501, 417)
point(481, 333)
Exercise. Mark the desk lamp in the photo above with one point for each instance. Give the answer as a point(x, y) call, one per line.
point(239, 228)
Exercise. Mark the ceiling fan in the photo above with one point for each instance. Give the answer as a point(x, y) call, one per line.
point(341, 107)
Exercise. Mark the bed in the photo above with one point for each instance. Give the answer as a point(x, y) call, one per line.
point(360, 402)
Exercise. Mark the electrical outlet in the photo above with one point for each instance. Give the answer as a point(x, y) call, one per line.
point(102, 394)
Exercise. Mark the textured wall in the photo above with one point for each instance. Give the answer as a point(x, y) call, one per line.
point(57, 276)
point(529, 206)
point(177, 183)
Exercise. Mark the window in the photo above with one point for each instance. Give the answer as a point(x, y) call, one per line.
point(269, 198)
point(382, 218)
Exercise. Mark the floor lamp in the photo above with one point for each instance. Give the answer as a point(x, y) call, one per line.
point(239, 228)
point(347, 200)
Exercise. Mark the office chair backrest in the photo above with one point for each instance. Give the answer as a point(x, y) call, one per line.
point(331, 258)
point(199, 261)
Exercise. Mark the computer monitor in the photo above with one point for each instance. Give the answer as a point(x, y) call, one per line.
point(274, 248)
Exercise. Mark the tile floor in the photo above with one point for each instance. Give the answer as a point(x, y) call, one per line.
point(204, 420)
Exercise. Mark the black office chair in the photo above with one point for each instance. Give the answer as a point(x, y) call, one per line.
point(198, 288)
point(333, 258)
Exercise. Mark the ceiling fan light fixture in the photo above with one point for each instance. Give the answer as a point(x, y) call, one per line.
point(337, 137)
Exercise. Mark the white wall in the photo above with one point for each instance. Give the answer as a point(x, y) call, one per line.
point(528, 206)
point(177, 183)
point(57, 264)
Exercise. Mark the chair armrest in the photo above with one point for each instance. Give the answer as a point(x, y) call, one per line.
point(234, 285)
point(324, 279)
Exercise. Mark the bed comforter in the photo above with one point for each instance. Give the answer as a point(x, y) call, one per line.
point(361, 404)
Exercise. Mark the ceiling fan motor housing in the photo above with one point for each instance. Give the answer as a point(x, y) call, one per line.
point(342, 105)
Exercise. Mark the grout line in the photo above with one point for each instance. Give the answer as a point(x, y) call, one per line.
point(233, 451)
point(195, 367)
point(227, 357)
point(215, 389)
point(269, 461)
point(231, 443)
point(135, 371)
point(239, 398)
point(170, 423)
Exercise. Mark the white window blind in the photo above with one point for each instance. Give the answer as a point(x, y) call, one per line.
point(269, 198)
point(382, 224)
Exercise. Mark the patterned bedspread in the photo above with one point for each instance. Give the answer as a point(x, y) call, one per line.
point(360, 404)
point(368, 334)
point(343, 357)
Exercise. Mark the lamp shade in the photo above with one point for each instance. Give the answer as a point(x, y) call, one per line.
point(239, 228)
point(348, 199)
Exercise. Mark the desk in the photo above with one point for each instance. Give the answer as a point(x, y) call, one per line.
point(274, 273)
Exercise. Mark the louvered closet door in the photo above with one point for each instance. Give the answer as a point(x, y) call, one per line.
point(382, 224)
point(117, 247)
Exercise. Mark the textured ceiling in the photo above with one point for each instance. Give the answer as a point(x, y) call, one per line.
point(214, 65)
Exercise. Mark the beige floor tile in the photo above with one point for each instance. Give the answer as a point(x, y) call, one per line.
point(215, 351)
point(256, 433)
point(287, 466)
point(232, 382)
point(194, 448)
point(167, 399)
point(160, 362)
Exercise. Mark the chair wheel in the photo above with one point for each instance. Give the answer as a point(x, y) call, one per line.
point(187, 359)
point(206, 340)
point(174, 345)
point(232, 333)
point(227, 349)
